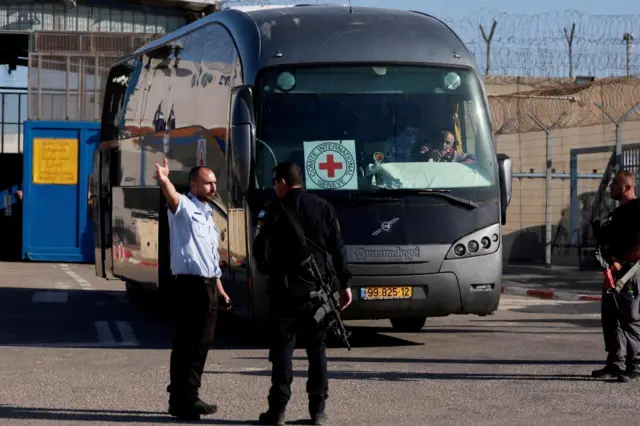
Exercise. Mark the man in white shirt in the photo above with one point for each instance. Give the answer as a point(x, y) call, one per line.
point(195, 265)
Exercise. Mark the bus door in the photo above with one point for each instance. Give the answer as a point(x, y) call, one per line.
point(96, 214)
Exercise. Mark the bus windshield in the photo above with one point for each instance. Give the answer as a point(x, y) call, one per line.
point(363, 128)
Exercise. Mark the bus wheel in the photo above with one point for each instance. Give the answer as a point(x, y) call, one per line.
point(408, 324)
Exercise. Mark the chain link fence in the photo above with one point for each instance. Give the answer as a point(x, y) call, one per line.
point(562, 136)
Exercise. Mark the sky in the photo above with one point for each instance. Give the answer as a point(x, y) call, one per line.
point(462, 8)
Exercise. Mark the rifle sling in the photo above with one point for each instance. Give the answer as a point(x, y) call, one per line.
point(297, 226)
point(623, 280)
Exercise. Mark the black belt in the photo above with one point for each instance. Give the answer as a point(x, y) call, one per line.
point(198, 278)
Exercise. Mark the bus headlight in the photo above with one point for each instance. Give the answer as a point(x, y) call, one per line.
point(485, 242)
point(468, 246)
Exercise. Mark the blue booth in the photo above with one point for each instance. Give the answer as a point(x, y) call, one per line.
point(58, 156)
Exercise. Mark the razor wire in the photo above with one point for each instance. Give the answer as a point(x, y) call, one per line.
point(594, 103)
point(555, 44)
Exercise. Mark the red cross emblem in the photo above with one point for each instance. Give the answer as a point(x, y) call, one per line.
point(330, 166)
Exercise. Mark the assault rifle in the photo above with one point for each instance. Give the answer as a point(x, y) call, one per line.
point(329, 309)
point(603, 242)
point(328, 312)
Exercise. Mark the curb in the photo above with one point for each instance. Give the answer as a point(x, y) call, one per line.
point(550, 294)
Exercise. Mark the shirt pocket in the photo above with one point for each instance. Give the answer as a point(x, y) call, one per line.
point(200, 225)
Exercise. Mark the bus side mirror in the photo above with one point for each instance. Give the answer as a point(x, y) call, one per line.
point(243, 138)
point(504, 170)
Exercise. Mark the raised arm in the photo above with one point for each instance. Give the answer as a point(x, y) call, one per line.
point(169, 191)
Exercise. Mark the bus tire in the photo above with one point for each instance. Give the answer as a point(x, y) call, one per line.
point(408, 324)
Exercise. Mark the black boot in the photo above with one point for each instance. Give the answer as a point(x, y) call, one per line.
point(204, 408)
point(319, 418)
point(629, 376)
point(272, 417)
point(316, 410)
point(184, 412)
point(608, 372)
point(190, 408)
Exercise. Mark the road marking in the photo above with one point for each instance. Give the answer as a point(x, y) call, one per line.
point(69, 345)
point(84, 284)
point(61, 285)
point(104, 333)
point(127, 334)
point(578, 309)
point(49, 297)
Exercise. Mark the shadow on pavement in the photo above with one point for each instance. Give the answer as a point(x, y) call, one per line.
point(478, 328)
point(410, 376)
point(111, 319)
point(115, 416)
point(592, 323)
point(452, 361)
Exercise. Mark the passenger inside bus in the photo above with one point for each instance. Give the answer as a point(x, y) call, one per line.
point(450, 151)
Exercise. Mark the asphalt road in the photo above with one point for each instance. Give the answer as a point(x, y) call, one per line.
point(75, 350)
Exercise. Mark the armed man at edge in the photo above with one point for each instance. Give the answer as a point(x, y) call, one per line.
point(299, 237)
point(618, 252)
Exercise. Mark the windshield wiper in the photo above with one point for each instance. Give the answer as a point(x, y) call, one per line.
point(370, 197)
point(445, 193)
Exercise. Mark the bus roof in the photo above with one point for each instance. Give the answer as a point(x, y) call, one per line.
point(316, 34)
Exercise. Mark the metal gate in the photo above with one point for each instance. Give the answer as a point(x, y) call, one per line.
point(10, 206)
point(13, 106)
point(596, 205)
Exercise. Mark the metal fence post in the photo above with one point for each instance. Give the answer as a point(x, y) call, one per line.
point(617, 123)
point(548, 176)
point(573, 165)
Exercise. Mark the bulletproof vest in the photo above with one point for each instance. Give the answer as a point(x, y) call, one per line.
point(299, 276)
point(616, 234)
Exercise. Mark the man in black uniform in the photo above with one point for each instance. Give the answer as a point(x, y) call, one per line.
point(617, 237)
point(279, 251)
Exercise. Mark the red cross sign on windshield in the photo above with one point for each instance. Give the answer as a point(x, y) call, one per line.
point(330, 166)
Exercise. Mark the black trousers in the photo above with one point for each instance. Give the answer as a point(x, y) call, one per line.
point(285, 326)
point(196, 312)
point(621, 332)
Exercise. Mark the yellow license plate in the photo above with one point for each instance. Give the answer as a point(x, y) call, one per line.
point(382, 293)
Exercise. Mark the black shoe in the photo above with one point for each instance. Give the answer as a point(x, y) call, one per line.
point(629, 376)
point(184, 413)
point(316, 410)
point(272, 417)
point(319, 418)
point(191, 411)
point(204, 408)
point(608, 372)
